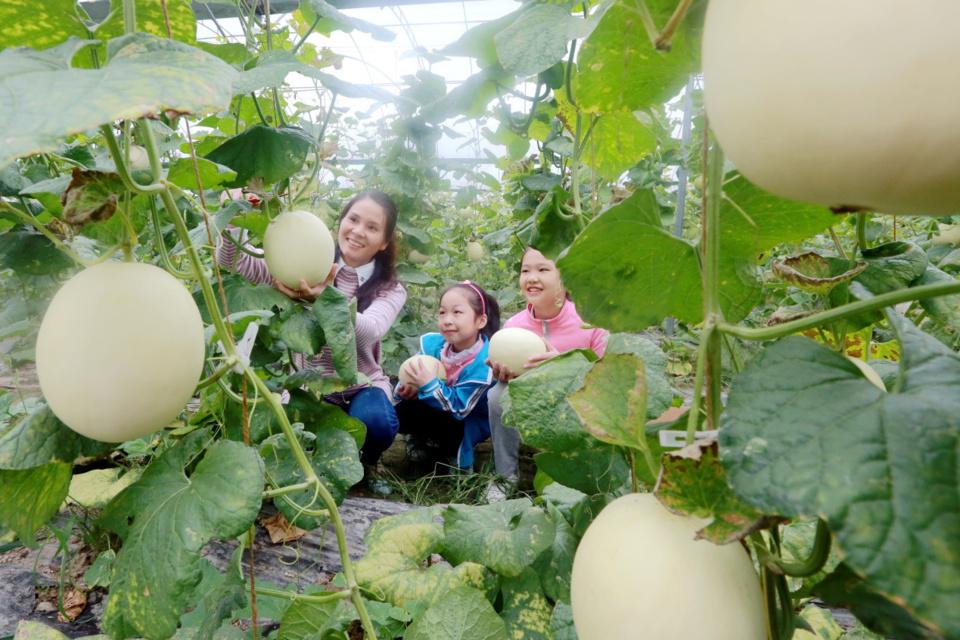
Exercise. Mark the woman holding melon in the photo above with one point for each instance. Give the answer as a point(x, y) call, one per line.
point(551, 315)
point(442, 392)
point(364, 266)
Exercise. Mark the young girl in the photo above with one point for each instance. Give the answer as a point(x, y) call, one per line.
point(365, 268)
point(453, 414)
point(552, 315)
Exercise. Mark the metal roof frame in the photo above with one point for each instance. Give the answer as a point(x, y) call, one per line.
point(98, 9)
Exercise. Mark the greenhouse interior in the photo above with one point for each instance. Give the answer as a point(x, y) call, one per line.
point(479, 320)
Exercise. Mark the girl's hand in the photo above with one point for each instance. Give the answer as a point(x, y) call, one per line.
point(420, 374)
point(501, 372)
point(306, 293)
point(407, 393)
point(533, 361)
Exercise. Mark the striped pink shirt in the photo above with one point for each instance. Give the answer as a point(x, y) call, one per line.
point(371, 325)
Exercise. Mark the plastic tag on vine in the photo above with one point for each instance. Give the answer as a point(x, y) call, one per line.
point(244, 346)
point(675, 439)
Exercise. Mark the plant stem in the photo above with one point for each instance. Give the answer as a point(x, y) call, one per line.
point(216, 375)
point(698, 383)
point(58, 243)
point(663, 43)
point(862, 232)
point(712, 312)
point(861, 306)
point(303, 39)
point(161, 249)
point(293, 488)
point(297, 597)
point(837, 244)
point(652, 32)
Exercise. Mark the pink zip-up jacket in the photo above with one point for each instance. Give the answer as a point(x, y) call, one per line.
point(563, 332)
point(370, 328)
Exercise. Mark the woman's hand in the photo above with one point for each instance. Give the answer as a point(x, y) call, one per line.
point(306, 293)
point(420, 374)
point(407, 393)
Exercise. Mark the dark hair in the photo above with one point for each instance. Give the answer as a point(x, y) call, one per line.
point(488, 305)
point(566, 294)
point(385, 261)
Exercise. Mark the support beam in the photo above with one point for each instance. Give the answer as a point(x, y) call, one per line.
point(98, 9)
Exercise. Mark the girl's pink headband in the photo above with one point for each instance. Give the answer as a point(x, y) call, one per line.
point(483, 303)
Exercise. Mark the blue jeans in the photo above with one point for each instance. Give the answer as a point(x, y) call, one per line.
point(372, 407)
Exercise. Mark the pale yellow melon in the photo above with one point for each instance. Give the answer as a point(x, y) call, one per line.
point(844, 103)
point(639, 573)
point(512, 347)
point(298, 246)
point(120, 351)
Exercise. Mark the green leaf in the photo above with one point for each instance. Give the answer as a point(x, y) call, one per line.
point(310, 619)
point(243, 296)
point(537, 39)
point(892, 266)
point(49, 101)
point(220, 602)
point(333, 311)
point(886, 616)
point(626, 272)
point(28, 630)
point(525, 609)
point(822, 622)
point(619, 68)
point(620, 141)
point(30, 497)
point(50, 23)
point(261, 152)
point(397, 547)
point(801, 417)
point(334, 457)
point(94, 489)
point(411, 275)
point(814, 273)
point(555, 565)
point(507, 536)
point(561, 624)
point(41, 439)
point(753, 221)
point(595, 468)
point(153, 16)
point(612, 404)
point(29, 252)
point(692, 482)
point(479, 41)
point(536, 403)
point(100, 572)
point(461, 614)
point(302, 332)
point(183, 174)
point(659, 391)
point(946, 309)
point(349, 23)
point(165, 520)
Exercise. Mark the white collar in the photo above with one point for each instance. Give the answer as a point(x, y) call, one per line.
point(363, 272)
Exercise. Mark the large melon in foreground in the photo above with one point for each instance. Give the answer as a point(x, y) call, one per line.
point(845, 103)
point(639, 573)
point(120, 351)
point(298, 246)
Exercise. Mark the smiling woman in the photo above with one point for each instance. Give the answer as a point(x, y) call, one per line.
point(364, 268)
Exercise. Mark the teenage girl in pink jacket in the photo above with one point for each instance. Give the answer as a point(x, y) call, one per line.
point(553, 316)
